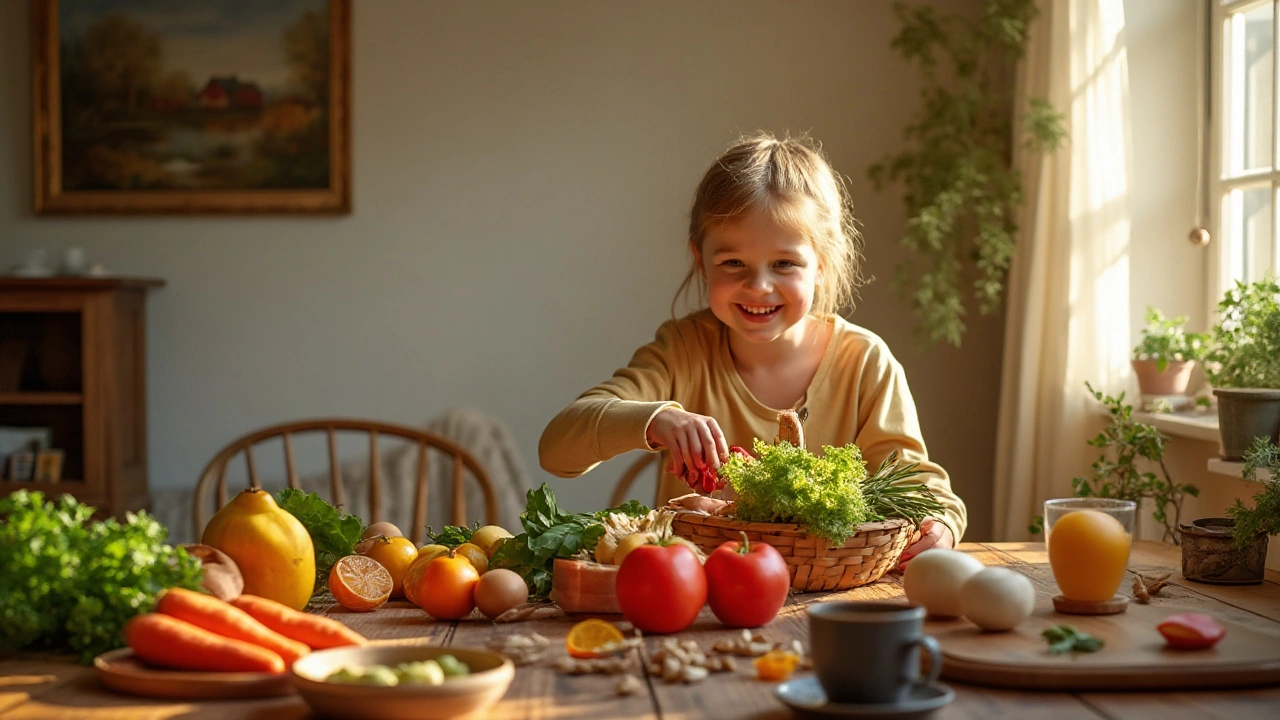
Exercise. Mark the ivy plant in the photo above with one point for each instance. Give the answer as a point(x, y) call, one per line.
point(1264, 515)
point(1116, 473)
point(1245, 345)
point(1165, 340)
point(961, 190)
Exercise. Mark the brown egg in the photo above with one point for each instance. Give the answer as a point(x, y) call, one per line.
point(500, 590)
point(381, 528)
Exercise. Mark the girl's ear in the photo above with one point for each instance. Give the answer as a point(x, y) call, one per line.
point(697, 258)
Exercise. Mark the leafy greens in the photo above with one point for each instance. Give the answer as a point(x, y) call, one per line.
point(69, 582)
point(552, 533)
point(334, 534)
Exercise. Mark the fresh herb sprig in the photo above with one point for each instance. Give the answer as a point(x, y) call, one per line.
point(890, 496)
point(552, 533)
point(67, 582)
point(334, 534)
point(451, 536)
point(1066, 638)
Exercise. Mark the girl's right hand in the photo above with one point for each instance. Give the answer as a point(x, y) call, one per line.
point(695, 441)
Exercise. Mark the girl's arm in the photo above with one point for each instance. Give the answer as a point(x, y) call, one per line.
point(613, 417)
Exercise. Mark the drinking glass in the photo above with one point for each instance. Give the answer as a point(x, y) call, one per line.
point(1088, 541)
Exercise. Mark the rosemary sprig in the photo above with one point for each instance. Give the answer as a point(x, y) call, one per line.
point(888, 496)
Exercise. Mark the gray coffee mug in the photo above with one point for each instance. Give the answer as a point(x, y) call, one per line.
point(868, 652)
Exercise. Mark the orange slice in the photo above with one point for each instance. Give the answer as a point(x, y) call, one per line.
point(593, 638)
point(360, 583)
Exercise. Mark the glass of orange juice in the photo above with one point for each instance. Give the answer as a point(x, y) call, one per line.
point(1088, 541)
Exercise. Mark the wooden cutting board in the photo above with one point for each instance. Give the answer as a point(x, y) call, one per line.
point(1135, 656)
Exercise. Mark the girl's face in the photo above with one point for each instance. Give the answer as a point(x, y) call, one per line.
point(760, 277)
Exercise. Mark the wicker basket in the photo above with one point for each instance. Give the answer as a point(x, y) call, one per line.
point(866, 556)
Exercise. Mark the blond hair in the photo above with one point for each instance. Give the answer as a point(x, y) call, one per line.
point(791, 181)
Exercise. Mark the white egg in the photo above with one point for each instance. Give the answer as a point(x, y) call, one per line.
point(998, 598)
point(933, 579)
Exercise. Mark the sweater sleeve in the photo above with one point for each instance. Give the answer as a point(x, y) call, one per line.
point(613, 417)
point(888, 421)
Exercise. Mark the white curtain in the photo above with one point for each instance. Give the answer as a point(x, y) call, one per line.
point(1068, 298)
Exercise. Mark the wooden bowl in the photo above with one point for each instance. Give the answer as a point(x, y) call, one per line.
point(471, 695)
point(123, 672)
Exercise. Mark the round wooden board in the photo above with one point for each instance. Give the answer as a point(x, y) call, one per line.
point(1135, 656)
point(122, 672)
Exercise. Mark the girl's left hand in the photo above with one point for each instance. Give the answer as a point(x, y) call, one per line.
point(933, 534)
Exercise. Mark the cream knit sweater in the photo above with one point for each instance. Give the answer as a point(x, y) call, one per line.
point(858, 395)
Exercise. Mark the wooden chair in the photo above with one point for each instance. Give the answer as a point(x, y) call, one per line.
point(216, 470)
point(621, 490)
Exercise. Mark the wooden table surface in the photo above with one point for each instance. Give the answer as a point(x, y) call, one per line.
point(47, 686)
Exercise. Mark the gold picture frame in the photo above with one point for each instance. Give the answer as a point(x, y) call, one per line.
point(205, 135)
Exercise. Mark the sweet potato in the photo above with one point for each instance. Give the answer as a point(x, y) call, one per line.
point(163, 640)
point(313, 630)
point(224, 619)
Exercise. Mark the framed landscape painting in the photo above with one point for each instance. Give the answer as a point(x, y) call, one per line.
point(192, 106)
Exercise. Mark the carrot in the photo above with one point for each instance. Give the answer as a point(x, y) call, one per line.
point(227, 620)
point(315, 631)
point(167, 641)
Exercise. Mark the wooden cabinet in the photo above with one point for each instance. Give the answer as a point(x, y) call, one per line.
point(73, 359)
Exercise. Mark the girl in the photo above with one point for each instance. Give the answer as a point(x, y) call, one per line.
point(775, 251)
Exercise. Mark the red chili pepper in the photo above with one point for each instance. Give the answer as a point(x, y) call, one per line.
point(705, 479)
point(1191, 631)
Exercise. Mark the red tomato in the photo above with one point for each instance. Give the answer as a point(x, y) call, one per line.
point(746, 584)
point(661, 588)
point(1191, 631)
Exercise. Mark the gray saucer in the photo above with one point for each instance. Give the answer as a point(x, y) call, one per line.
point(806, 697)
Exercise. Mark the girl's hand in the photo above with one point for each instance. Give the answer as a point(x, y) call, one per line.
point(695, 441)
point(933, 534)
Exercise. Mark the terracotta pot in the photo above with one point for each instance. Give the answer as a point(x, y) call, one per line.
point(1243, 414)
point(1207, 555)
point(1173, 381)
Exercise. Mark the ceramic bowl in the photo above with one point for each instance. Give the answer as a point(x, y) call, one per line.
point(467, 696)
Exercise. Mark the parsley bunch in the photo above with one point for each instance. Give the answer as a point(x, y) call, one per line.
point(552, 533)
point(67, 582)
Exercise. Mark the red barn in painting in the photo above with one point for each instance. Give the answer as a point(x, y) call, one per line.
point(229, 92)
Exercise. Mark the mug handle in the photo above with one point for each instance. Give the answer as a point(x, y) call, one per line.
point(930, 645)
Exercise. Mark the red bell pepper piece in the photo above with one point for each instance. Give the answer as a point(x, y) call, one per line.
point(1191, 631)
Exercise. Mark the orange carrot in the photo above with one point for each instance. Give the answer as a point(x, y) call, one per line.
point(227, 620)
point(169, 642)
point(315, 631)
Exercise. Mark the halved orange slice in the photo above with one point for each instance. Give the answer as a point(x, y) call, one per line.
point(593, 638)
point(360, 583)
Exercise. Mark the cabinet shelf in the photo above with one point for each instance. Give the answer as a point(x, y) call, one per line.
point(41, 398)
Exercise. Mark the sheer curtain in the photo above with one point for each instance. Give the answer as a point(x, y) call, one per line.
point(1068, 297)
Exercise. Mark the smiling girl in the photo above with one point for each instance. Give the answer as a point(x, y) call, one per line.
point(776, 255)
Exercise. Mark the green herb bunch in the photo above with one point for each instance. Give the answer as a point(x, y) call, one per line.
point(962, 192)
point(551, 533)
point(1245, 345)
point(830, 495)
point(1116, 473)
point(453, 535)
point(1165, 341)
point(1264, 516)
point(334, 534)
point(1066, 638)
point(67, 582)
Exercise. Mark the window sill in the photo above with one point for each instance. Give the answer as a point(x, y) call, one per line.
point(1232, 468)
point(1198, 426)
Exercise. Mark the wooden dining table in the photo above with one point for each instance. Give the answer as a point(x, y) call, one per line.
point(53, 686)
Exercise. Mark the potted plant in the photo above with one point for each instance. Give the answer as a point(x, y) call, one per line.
point(1166, 355)
point(1233, 550)
point(1116, 474)
point(1243, 364)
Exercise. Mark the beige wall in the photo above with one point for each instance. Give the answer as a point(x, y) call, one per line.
point(522, 176)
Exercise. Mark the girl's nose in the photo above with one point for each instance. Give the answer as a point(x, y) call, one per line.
point(760, 281)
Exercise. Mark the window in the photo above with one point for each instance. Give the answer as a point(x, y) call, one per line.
point(1246, 166)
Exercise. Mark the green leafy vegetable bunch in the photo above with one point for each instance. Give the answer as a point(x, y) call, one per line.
point(830, 495)
point(334, 534)
point(67, 582)
point(551, 533)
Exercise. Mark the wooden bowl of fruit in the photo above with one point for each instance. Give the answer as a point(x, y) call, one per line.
point(402, 682)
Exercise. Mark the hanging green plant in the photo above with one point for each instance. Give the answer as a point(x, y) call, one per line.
point(961, 190)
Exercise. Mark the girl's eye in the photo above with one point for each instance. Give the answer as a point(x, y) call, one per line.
point(731, 263)
point(786, 264)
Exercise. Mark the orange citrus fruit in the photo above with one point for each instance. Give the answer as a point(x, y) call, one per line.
point(360, 583)
point(592, 639)
point(447, 588)
point(413, 576)
point(395, 554)
point(474, 553)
